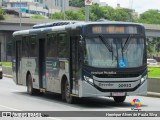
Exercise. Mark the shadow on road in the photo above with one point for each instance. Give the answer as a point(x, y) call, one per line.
point(93, 102)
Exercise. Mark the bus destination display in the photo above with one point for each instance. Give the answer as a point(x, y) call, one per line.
point(101, 29)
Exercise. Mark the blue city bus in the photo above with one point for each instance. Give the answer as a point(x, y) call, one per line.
point(82, 59)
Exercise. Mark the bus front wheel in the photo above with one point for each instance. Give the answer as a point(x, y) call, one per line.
point(68, 97)
point(119, 99)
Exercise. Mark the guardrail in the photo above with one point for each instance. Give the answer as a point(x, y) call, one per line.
point(7, 70)
point(153, 83)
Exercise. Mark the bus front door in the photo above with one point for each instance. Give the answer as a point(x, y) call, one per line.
point(74, 66)
point(18, 62)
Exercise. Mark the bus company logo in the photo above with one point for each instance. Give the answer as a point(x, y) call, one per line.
point(136, 103)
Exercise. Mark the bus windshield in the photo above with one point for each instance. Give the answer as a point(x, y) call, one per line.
point(119, 52)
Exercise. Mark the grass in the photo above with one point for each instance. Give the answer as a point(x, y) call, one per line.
point(7, 64)
point(154, 72)
point(38, 17)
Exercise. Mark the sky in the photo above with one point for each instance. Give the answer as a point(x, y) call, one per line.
point(139, 5)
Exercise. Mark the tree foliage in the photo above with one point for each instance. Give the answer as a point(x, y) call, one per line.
point(38, 17)
point(150, 17)
point(1, 14)
point(96, 13)
point(76, 3)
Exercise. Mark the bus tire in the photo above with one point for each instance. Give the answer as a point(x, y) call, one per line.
point(69, 99)
point(119, 99)
point(30, 88)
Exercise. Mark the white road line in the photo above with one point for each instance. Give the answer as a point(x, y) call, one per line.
point(10, 108)
point(14, 90)
point(53, 118)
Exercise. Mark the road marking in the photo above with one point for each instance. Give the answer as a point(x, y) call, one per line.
point(53, 118)
point(10, 108)
point(14, 90)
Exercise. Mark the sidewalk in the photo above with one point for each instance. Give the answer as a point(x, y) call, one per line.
point(149, 94)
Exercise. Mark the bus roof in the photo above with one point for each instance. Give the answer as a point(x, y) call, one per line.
point(54, 26)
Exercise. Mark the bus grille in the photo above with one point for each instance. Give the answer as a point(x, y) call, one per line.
point(117, 75)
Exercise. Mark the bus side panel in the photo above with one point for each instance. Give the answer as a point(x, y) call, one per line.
point(55, 69)
point(30, 65)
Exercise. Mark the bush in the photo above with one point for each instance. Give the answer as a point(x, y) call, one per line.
point(7, 64)
point(38, 17)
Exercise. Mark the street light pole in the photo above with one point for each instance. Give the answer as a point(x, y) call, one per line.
point(87, 4)
point(64, 17)
point(87, 13)
point(20, 15)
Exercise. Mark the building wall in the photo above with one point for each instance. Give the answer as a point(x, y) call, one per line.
point(5, 38)
point(0, 2)
point(19, 0)
point(57, 4)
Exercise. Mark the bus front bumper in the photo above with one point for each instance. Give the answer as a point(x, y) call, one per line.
point(87, 90)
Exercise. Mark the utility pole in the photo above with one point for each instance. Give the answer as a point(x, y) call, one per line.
point(130, 12)
point(64, 9)
point(87, 4)
point(20, 15)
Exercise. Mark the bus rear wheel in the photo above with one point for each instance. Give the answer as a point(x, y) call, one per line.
point(30, 88)
point(69, 99)
point(119, 99)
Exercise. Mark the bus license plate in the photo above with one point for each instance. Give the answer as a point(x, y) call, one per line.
point(118, 93)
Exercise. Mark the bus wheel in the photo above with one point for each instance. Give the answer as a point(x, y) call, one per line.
point(119, 99)
point(68, 97)
point(30, 88)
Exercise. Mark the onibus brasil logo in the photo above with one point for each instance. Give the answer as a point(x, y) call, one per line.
point(136, 103)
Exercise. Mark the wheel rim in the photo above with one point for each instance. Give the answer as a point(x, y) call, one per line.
point(29, 85)
point(67, 91)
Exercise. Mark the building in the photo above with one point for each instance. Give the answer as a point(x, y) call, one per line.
point(61, 5)
point(35, 7)
point(134, 14)
point(100, 3)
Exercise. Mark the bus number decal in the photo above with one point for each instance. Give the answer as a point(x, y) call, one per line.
point(124, 86)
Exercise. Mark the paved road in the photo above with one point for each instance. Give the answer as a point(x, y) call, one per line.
point(15, 98)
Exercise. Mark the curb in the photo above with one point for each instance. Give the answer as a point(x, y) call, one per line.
point(153, 94)
point(9, 76)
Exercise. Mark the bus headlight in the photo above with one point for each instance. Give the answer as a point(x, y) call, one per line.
point(143, 78)
point(90, 80)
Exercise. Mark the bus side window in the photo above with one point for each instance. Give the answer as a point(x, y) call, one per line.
point(34, 46)
point(51, 46)
point(24, 47)
point(63, 46)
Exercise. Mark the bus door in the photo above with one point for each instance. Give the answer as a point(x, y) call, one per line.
point(42, 79)
point(18, 62)
point(74, 65)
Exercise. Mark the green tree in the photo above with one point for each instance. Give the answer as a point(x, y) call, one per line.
point(150, 17)
point(1, 14)
point(121, 15)
point(108, 12)
point(38, 17)
point(70, 15)
point(76, 3)
point(57, 16)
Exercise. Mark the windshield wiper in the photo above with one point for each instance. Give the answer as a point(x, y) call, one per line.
point(126, 43)
point(106, 43)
